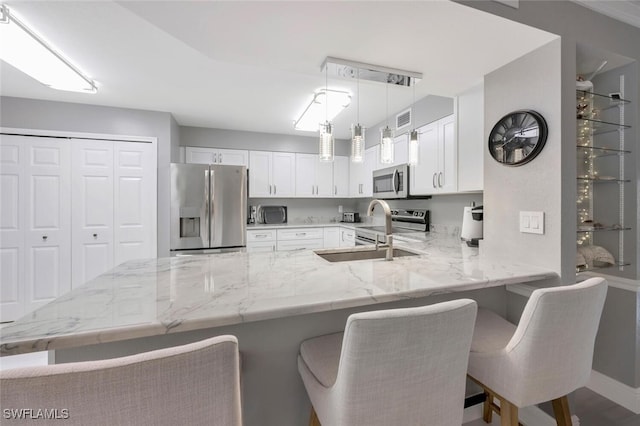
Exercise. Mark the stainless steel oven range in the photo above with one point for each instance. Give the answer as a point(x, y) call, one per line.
point(404, 221)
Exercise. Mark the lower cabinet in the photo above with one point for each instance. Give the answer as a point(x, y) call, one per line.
point(332, 237)
point(287, 239)
point(263, 240)
point(347, 237)
point(300, 239)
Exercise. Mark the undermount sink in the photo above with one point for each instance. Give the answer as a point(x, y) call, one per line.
point(364, 253)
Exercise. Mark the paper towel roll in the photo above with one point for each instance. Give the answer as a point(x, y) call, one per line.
point(470, 228)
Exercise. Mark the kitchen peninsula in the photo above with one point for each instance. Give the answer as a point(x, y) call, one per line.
point(270, 301)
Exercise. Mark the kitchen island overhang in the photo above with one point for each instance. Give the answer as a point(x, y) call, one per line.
point(156, 297)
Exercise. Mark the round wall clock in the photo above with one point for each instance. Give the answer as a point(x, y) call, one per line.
point(518, 137)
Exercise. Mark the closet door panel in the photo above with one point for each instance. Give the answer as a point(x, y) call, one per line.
point(92, 209)
point(134, 201)
point(48, 233)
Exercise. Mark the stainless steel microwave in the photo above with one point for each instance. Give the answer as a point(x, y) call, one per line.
point(393, 183)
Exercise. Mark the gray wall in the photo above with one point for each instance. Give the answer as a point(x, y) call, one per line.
point(310, 210)
point(63, 116)
point(425, 110)
point(238, 139)
point(530, 82)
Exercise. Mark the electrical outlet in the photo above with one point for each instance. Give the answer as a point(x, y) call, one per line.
point(532, 222)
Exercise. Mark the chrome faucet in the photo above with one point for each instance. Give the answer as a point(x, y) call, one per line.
point(387, 226)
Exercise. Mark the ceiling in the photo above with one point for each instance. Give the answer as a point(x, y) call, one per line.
point(627, 11)
point(254, 65)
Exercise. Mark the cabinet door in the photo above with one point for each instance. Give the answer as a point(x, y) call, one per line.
point(356, 174)
point(48, 232)
point(341, 177)
point(332, 237)
point(13, 219)
point(448, 173)
point(284, 174)
point(324, 178)
point(424, 175)
point(232, 157)
point(134, 201)
point(306, 169)
point(197, 155)
point(92, 209)
point(401, 150)
point(261, 247)
point(370, 161)
point(347, 237)
point(260, 174)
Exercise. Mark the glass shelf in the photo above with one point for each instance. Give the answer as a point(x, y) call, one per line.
point(604, 228)
point(594, 127)
point(599, 152)
point(600, 102)
point(600, 265)
point(602, 180)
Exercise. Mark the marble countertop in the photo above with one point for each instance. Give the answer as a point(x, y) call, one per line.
point(169, 295)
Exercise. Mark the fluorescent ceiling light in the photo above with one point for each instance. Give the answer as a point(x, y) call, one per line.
point(319, 110)
point(28, 52)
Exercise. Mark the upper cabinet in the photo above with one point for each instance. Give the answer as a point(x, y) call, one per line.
point(315, 178)
point(230, 157)
point(360, 174)
point(272, 174)
point(436, 171)
point(470, 113)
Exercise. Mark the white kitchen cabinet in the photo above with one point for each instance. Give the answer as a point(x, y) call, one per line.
point(230, 157)
point(262, 240)
point(315, 178)
point(64, 203)
point(361, 174)
point(436, 171)
point(347, 237)
point(271, 174)
point(300, 239)
point(332, 237)
point(471, 143)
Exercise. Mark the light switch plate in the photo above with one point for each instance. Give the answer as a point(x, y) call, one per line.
point(532, 222)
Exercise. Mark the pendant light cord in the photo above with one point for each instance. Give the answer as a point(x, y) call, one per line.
point(387, 105)
point(326, 92)
point(358, 88)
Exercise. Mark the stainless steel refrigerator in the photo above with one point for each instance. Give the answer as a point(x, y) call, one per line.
point(208, 208)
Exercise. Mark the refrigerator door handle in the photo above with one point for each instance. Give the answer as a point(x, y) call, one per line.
point(212, 213)
point(205, 225)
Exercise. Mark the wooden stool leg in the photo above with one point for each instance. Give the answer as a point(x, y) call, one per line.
point(508, 413)
point(313, 418)
point(487, 409)
point(561, 411)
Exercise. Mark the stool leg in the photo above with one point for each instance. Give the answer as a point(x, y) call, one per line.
point(313, 418)
point(487, 409)
point(561, 411)
point(508, 413)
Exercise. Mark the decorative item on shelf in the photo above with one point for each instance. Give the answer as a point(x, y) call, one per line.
point(518, 137)
point(386, 139)
point(596, 256)
point(357, 131)
point(414, 144)
point(327, 142)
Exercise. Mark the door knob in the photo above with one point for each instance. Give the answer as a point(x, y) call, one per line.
point(95, 235)
point(44, 238)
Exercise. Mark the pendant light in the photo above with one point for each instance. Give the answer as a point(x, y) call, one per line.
point(357, 131)
point(327, 142)
point(413, 136)
point(386, 139)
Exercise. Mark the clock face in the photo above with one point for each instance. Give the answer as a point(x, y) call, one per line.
point(518, 137)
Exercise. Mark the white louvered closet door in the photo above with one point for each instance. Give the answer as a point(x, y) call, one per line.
point(48, 233)
point(134, 201)
point(92, 209)
point(12, 225)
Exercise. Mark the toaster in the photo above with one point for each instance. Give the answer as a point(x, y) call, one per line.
point(351, 217)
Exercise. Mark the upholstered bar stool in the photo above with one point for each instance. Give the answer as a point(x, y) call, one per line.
point(194, 384)
point(546, 357)
point(391, 367)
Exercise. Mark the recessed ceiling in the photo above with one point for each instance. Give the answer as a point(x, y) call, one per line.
point(254, 65)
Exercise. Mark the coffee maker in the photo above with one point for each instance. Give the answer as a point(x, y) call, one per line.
point(472, 218)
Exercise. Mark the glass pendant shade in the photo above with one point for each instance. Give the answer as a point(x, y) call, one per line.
point(357, 143)
point(327, 143)
point(413, 148)
point(386, 145)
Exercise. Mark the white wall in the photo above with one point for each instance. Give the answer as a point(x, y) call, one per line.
point(530, 82)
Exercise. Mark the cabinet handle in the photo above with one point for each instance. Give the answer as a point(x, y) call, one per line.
point(317, 190)
point(440, 179)
point(275, 189)
point(269, 189)
point(313, 189)
point(95, 235)
point(434, 180)
point(335, 189)
point(300, 234)
point(261, 235)
point(215, 158)
point(220, 158)
point(44, 238)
